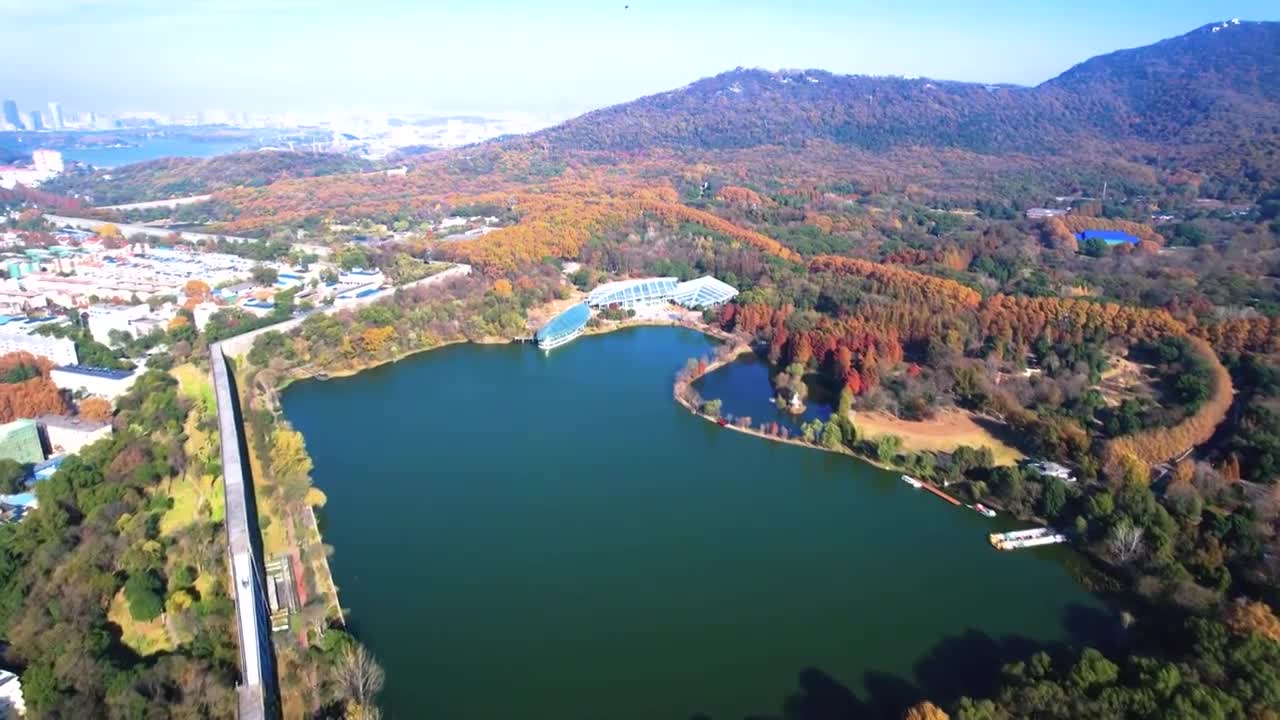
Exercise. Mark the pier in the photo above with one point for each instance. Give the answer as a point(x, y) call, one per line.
point(936, 491)
point(1026, 538)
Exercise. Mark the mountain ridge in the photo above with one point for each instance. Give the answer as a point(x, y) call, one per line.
point(1218, 84)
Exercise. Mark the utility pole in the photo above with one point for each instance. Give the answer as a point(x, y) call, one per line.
point(1104, 191)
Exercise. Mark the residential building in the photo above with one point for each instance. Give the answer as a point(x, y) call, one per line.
point(11, 115)
point(13, 299)
point(55, 115)
point(20, 441)
point(35, 122)
point(132, 320)
point(15, 336)
point(93, 381)
point(63, 435)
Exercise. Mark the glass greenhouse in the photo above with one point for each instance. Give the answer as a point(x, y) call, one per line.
point(703, 292)
point(628, 294)
point(563, 327)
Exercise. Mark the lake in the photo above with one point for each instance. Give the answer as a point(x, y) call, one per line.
point(528, 536)
point(152, 148)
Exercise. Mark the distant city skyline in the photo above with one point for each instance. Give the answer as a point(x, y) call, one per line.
point(393, 56)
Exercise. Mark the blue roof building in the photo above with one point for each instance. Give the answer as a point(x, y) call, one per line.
point(1110, 237)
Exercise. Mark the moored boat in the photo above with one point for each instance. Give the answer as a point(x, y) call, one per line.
point(912, 481)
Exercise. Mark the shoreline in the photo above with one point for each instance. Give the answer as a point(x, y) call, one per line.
point(720, 363)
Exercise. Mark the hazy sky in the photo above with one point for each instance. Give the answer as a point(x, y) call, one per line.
point(569, 56)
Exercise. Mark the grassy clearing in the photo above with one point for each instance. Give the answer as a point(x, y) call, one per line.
point(195, 487)
point(195, 384)
point(188, 493)
point(145, 638)
point(945, 433)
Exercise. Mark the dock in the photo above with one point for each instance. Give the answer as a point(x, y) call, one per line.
point(1026, 538)
point(933, 489)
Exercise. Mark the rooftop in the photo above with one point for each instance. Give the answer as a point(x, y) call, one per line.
point(703, 292)
point(96, 372)
point(623, 292)
point(70, 422)
point(1111, 237)
point(567, 322)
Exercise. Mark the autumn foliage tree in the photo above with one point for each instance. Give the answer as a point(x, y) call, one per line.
point(1157, 445)
point(32, 396)
point(95, 408)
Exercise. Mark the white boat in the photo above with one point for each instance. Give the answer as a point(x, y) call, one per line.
point(984, 510)
point(912, 481)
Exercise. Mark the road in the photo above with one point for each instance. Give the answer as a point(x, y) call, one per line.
point(171, 203)
point(131, 230)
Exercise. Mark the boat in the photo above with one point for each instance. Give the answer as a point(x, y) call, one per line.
point(1034, 537)
point(984, 510)
point(912, 481)
point(722, 421)
point(322, 376)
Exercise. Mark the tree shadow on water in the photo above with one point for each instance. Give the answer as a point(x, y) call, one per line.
point(964, 664)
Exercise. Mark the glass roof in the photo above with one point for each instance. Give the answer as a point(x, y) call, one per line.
point(567, 322)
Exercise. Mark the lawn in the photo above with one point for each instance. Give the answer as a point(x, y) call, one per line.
point(145, 638)
point(946, 432)
point(195, 384)
point(186, 493)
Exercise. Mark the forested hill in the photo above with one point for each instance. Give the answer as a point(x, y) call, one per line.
point(1205, 85)
point(176, 177)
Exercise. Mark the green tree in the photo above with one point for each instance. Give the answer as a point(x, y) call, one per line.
point(711, 408)
point(12, 477)
point(264, 275)
point(886, 447)
point(832, 436)
point(1053, 498)
point(142, 591)
point(845, 405)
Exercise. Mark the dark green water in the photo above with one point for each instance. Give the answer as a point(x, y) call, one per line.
point(523, 536)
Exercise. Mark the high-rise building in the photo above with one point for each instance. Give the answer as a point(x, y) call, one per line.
point(11, 114)
point(36, 123)
point(55, 115)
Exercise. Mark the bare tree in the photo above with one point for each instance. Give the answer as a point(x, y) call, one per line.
point(1125, 543)
point(361, 678)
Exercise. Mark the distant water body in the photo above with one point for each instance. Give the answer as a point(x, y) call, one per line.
point(551, 537)
point(151, 149)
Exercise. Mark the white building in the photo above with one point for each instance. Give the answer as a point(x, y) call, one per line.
point(132, 320)
point(110, 384)
point(65, 435)
point(15, 337)
point(11, 703)
point(47, 161)
point(1053, 470)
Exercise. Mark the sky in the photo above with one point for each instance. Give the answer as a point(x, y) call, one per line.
point(540, 57)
